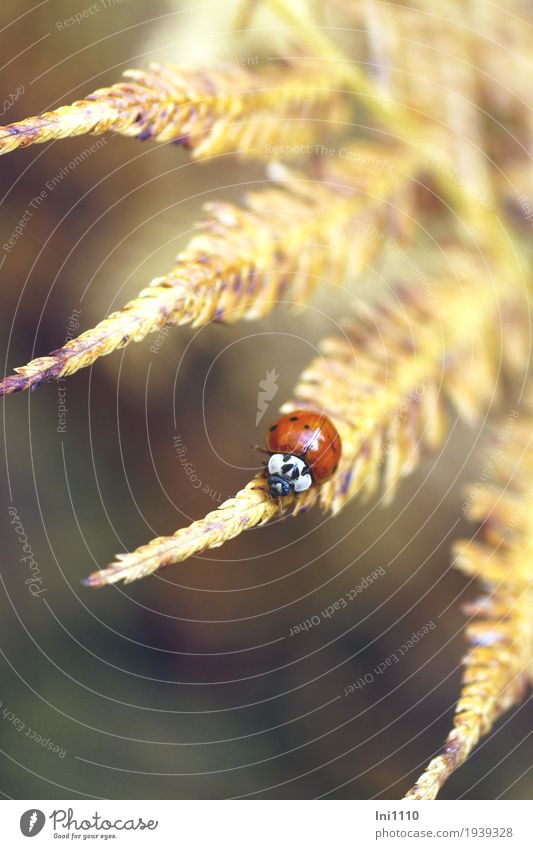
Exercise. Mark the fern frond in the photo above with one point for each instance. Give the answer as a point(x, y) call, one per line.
point(385, 393)
point(251, 507)
point(209, 112)
point(245, 260)
point(499, 660)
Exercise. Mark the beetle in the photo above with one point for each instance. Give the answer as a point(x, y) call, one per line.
point(305, 449)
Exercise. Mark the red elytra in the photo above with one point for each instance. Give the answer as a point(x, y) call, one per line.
point(309, 435)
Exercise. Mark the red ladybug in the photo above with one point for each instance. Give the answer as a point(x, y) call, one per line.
point(305, 448)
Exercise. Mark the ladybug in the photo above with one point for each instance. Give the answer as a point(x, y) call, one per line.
point(304, 448)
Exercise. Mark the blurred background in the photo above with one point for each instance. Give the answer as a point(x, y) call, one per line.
point(189, 684)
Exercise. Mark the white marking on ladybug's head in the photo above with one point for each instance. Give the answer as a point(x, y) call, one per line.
point(292, 469)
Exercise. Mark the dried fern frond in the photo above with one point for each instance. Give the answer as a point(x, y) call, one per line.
point(383, 384)
point(249, 508)
point(207, 111)
point(245, 260)
point(499, 660)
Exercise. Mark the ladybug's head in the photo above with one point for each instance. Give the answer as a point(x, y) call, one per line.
point(278, 486)
point(287, 473)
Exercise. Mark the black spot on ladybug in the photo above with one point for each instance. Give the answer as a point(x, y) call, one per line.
point(273, 428)
point(307, 427)
point(294, 418)
point(286, 458)
point(295, 474)
point(287, 467)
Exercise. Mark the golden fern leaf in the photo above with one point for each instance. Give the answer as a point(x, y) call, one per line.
point(260, 114)
point(499, 660)
point(245, 260)
point(383, 384)
point(249, 508)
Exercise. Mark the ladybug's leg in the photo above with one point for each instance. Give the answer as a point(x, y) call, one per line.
point(261, 450)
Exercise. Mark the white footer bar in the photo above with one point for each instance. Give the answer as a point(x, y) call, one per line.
point(267, 824)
